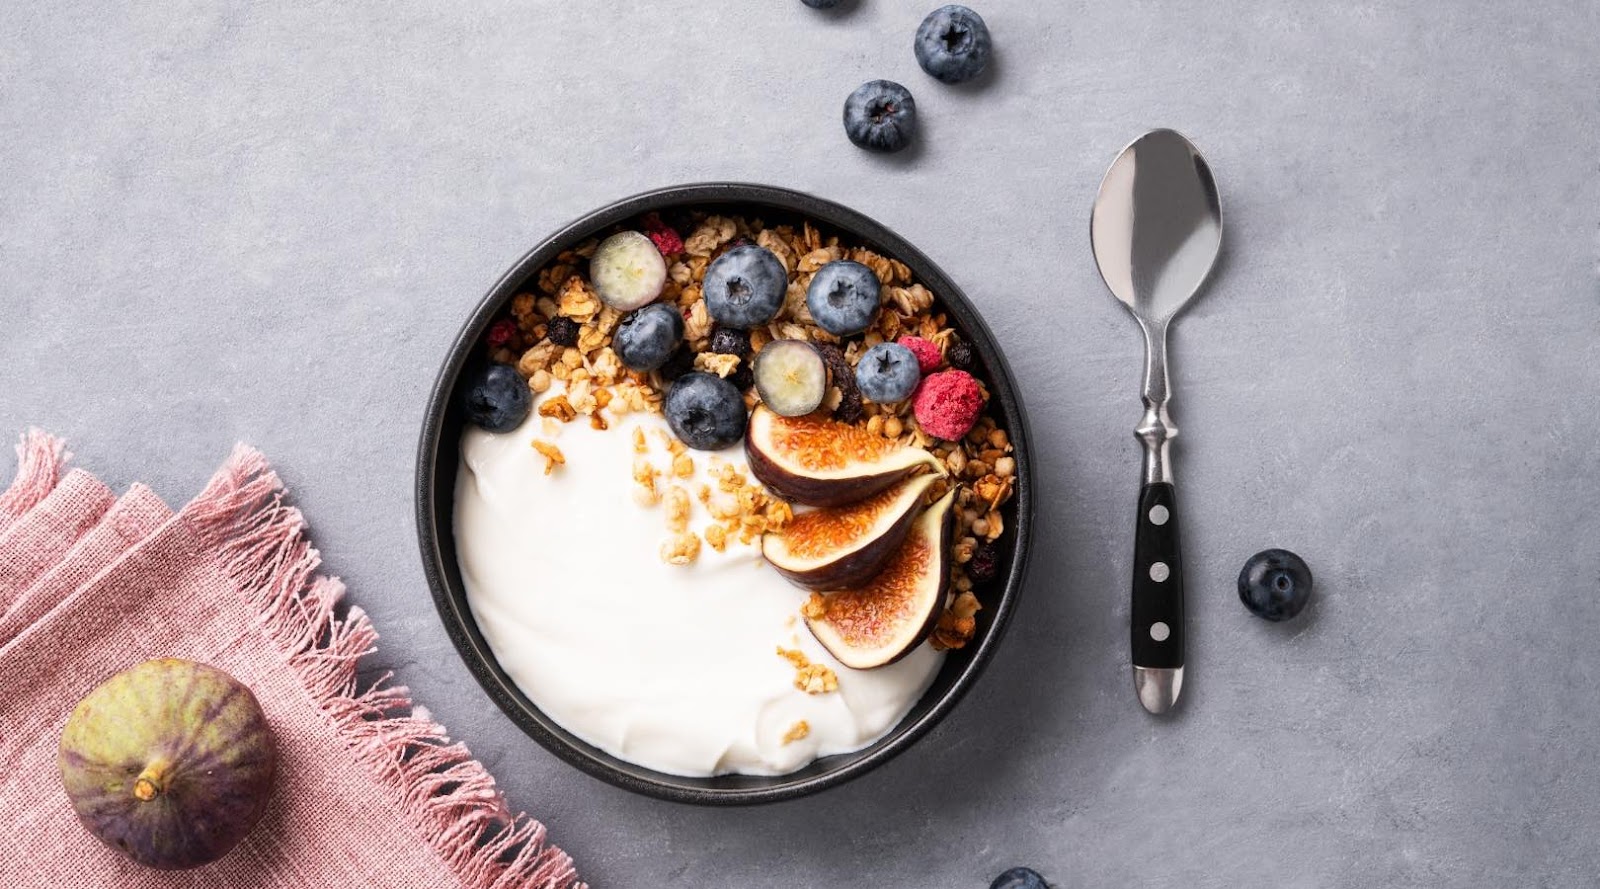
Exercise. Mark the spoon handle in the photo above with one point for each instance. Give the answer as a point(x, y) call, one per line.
point(1157, 621)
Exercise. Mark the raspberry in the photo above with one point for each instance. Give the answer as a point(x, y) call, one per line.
point(928, 357)
point(947, 404)
point(563, 331)
point(960, 356)
point(502, 332)
point(662, 235)
point(985, 563)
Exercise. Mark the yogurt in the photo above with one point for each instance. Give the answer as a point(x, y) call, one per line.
point(672, 667)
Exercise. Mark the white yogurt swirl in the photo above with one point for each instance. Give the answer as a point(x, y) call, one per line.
point(674, 668)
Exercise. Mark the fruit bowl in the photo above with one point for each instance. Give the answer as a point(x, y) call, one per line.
point(438, 459)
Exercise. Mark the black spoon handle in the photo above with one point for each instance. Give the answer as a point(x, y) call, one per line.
point(1157, 622)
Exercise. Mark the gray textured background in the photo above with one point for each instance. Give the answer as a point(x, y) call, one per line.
point(224, 221)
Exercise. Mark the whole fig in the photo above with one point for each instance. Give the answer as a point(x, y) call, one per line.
point(170, 762)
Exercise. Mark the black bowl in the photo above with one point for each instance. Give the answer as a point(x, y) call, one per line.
point(436, 476)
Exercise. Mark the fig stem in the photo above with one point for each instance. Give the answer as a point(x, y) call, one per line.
point(151, 782)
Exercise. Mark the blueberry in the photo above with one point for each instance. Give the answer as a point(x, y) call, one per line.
point(843, 297)
point(952, 44)
point(727, 341)
point(744, 287)
point(1275, 584)
point(1019, 878)
point(499, 399)
point(645, 337)
point(705, 411)
point(680, 362)
point(888, 373)
point(880, 116)
point(562, 331)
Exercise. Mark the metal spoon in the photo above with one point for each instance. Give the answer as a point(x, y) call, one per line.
point(1155, 231)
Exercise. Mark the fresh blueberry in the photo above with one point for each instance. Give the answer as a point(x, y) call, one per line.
point(727, 341)
point(821, 4)
point(888, 373)
point(952, 44)
point(646, 337)
point(680, 362)
point(744, 287)
point(1019, 878)
point(843, 297)
point(499, 399)
point(705, 411)
point(1275, 584)
point(880, 116)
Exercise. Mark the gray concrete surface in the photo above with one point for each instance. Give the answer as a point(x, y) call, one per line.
point(228, 220)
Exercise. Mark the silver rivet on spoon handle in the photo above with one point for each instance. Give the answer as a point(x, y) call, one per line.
point(1155, 231)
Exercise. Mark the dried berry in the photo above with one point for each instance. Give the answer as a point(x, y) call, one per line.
point(928, 357)
point(844, 377)
point(563, 331)
point(742, 378)
point(985, 563)
point(666, 239)
point(849, 409)
point(678, 364)
point(960, 356)
point(728, 341)
point(947, 404)
point(502, 332)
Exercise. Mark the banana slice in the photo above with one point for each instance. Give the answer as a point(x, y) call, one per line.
point(628, 271)
point(790, 377)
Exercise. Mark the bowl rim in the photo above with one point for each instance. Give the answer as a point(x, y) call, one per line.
point(449, 597)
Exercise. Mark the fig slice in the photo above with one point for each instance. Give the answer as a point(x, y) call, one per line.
point(845, 546)
point(820, 462)
point(883, 621)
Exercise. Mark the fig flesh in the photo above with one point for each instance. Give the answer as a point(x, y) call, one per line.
point(170, 762)
point(821, 462)
point(843, 547)
point(885, 620)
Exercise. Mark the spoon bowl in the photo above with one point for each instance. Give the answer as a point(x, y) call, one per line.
point(1156, 228)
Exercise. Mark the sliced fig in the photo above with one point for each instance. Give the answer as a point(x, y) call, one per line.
point(883, 621)
point(844, 547)
point(820, 462)
point(791, 377)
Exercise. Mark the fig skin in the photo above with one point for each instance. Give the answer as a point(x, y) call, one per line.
point(941, 516)
point(170, 762)
point(822, 488)
point(850, 569)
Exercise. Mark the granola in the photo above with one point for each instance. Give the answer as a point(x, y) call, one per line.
point(982, 463)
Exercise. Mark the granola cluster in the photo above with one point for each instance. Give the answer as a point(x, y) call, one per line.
point(740, 509)
point(809, 677)
point(562, 332)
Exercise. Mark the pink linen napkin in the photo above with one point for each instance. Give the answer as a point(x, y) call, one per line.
point(370, 791)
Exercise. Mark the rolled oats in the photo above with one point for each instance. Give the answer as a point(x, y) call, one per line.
point(552, 455)
point(681, 549)
point(797, 732)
